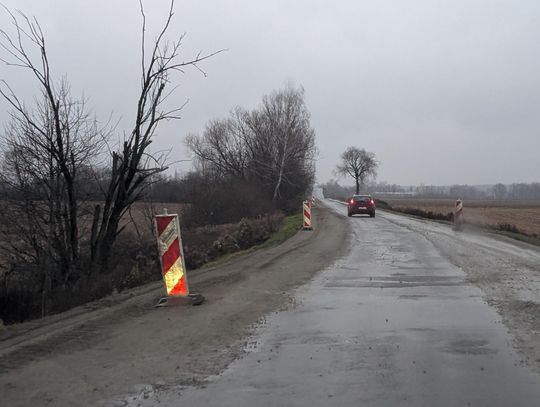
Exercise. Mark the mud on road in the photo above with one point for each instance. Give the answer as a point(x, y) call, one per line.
point(121, 348)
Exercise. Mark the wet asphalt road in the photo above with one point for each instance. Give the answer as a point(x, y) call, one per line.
point(393, 323)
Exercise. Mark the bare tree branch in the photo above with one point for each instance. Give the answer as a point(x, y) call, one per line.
point(133, 166)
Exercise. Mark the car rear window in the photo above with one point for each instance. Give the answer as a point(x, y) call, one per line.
point(361, 198)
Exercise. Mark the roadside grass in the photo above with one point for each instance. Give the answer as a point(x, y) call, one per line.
point(289, 227)
point(291, 224)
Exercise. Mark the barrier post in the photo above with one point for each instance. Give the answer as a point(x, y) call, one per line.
point(458, 215)
point(306, 205)
point(173, 265)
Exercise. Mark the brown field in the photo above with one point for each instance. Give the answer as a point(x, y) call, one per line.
point(525, 215)
point(139, 219)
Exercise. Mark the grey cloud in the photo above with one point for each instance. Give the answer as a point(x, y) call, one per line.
point(442, 91)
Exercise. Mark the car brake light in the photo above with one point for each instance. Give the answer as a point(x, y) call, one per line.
point(352, 201)
point(372, 202)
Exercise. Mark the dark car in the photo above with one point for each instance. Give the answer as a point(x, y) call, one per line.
point(361, 204)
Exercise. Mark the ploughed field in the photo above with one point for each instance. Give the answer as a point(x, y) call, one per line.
point(138, 221)
point(524, 215)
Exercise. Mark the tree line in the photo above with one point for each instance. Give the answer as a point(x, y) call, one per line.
point(253, 162)
point(515, 191)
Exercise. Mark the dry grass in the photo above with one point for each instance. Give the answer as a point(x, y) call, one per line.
point(525, 215)
point(139, 219)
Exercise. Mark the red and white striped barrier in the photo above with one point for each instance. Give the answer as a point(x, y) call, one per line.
point(173, 267)
point(307, 215)
point(458, 214)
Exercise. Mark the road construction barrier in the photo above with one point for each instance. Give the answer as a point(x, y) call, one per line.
point(307, 215)
point(173, 266)
point(458, 214)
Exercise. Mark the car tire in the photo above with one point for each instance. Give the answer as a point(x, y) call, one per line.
point(349, 214)
point(372, 215)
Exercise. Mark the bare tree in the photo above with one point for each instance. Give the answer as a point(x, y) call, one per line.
point(50, 152)
point(44, 149)
point(273, 145)
point(223, 145)
point(359, 164)
point(499, 191)
point(133, 165)
point(287, 135)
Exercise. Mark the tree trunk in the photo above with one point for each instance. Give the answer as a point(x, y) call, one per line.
point(280, 178)
point(357, 186)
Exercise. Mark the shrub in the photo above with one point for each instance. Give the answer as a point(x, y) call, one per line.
point(426, 214)
point(204, 244)
point(22, 295)
point(382, 204)
point(507, 227)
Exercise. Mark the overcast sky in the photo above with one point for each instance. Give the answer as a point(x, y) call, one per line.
point(443, 92)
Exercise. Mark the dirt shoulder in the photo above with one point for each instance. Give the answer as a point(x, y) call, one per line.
point(121, 347)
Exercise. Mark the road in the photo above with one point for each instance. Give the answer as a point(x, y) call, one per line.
point(390, 311)
point(392, 323)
